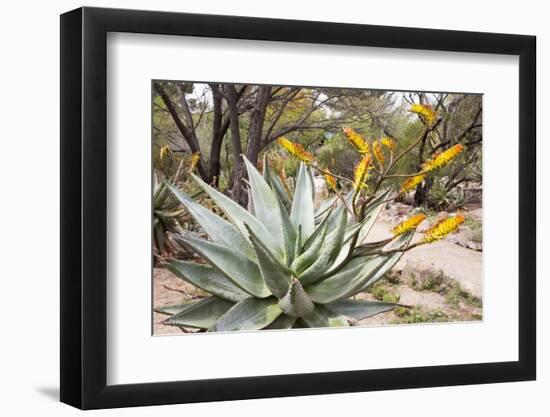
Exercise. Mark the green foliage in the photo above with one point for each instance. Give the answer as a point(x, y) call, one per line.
point(276, 267)
point(410, 133)
point(456, 294)
point(442, 198)
point(337, 154)
point(281, 262)
point(476, 227)
point(168, 218)
point(438, 282)
point(431, 281)
point(169, 215)
point(419, 314)
point(383, 293)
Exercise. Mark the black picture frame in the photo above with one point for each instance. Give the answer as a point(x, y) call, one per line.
point(84, 207)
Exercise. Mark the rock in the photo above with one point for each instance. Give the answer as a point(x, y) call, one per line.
point(466, 233)
point(440, 216)
point(423, 227)
point(471, 244)
point(476, 214)
point(422, 274)
point(401, 209)
point(465, 238)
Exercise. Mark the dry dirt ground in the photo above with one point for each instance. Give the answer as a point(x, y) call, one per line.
point(440, 282)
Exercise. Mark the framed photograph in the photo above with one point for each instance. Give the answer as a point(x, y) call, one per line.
point(260, 208)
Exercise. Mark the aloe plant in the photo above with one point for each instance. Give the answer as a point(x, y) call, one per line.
point(278, 268)
point(285, 264)
point(167, 218)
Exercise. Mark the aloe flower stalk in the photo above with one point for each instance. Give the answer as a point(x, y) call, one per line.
point(425, 112)
point(442, 159)
point(356, 140)
point(443, 228)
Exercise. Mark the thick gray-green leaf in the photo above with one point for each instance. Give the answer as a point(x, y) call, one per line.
point(155, 183)
point(350, 278)
point(379, 199)
point(359, 309)
point(275, 275)
point(363, 229)
point(365, 225)
point(238, 268)
point(177, 308)
point(239, 216)
point(297, 245)
point(302, 212)
point(310, 174)
point(332, 246)
point(207, 278)
point(357, 273)
point(323, 317)
point(335, 240)
point(368, 248)
point(319, 229)
point(372, 211)
point(282, 322)
point(303, 261)
point(400, 242)
point(159, 194)
point(248, 314)
point(282, 194)
point(296, 302)
point(159, 234)
point(265, 202)
point(219, 230)
point(324, 207)
point(289, 234)
point(202, 315)
point(299, 324)
point(335, 217)
point(267, 170)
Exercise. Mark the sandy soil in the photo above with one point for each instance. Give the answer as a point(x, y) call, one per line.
point(169, 290)
point(463, 265)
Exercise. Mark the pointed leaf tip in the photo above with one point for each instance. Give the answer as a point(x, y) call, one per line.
point(296, 302)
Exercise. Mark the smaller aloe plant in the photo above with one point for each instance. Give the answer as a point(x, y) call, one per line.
point(169, 216)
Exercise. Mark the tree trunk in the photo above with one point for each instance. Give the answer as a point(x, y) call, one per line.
point(237, 192)
point(257, 123)
point(421, 193)
point(217, 137)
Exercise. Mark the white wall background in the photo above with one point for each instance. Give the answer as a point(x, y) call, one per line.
point(29, 116)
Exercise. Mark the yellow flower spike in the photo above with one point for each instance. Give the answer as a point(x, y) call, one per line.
point(296, 150)
point(388, 143)
point(163, 153)
point(411, 183)
point(331, 181)
point(378, 152)
point(443, 228)
point(408, 225)
point(442, 159)
point(361, 172)
point(356, 140)
point(194, 161)
point(426, 113)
